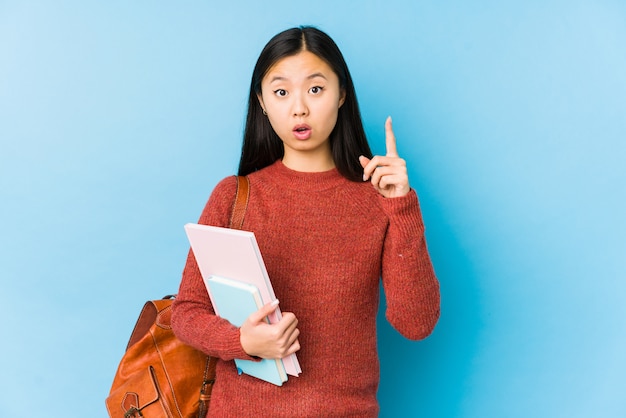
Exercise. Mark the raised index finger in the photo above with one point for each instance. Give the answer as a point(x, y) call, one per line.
point(390, 139)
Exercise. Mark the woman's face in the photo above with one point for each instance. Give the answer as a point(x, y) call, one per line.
point(302, 97)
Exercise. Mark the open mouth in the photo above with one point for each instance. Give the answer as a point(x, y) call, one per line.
point(302, 132)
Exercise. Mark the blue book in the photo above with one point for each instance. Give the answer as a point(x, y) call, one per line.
point(235, 301)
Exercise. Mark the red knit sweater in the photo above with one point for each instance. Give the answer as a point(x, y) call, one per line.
point(326, 242)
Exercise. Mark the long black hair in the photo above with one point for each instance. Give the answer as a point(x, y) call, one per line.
point(262, 146)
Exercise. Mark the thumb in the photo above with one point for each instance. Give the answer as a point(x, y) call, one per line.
point(364, 161)
point(264, 311)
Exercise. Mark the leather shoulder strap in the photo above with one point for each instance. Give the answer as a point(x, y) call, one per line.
point(241, 202)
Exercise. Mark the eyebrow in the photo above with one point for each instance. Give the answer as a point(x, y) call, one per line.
point(315, 75)
point(312, 76)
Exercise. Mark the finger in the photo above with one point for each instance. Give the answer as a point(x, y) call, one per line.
point(373, 165)
point(395, 174)
point(295, 344)
point(290, 338)
point(293, 348)
point(377, 162)
point(380, 172)
point(390, 139)
point(381, 176)
point(367, 167)
point(288, 323)
point(283, 328)
point(294, 336)
point(389, 181)
point(264, 311)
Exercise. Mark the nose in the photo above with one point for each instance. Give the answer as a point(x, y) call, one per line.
point(300, 107)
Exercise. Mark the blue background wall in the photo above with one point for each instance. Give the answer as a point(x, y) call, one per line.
point(117, 118)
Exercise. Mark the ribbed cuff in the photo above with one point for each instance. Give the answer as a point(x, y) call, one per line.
point(233, 348)
point(404, 211)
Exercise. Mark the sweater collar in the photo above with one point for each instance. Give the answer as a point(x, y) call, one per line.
point(300, 180)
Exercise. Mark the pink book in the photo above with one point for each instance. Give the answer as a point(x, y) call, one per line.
point(235, 254)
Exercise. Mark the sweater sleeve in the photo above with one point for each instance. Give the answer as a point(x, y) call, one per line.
point(409, 281)
point(193, 319)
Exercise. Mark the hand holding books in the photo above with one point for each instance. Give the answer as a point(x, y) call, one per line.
point(260, 339)
point(241, 292)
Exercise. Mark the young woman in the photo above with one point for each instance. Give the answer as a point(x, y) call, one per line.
point(330, 220)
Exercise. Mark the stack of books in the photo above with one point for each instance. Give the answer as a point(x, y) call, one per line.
point(238, 284)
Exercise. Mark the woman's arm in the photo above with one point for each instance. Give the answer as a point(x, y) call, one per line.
point(409, 281)
point(193, 320)
point(411, 287)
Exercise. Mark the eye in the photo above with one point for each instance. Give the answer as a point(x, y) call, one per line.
point(316, 90)
point(280, 92)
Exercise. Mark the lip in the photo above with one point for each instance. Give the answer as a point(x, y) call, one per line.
point(302, 131)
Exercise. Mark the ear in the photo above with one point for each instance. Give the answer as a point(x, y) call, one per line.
point(342, 98)
point(260, 97)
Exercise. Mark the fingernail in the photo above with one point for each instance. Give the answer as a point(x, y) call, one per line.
point(275, 302)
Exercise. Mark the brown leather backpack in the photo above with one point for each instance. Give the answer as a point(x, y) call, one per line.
point(159, 376)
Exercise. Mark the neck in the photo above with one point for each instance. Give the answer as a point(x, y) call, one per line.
point(310, 163)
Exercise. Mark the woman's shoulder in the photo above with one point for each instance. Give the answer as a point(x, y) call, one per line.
point(217, 210)
point(225, 188)
point(227, 182)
